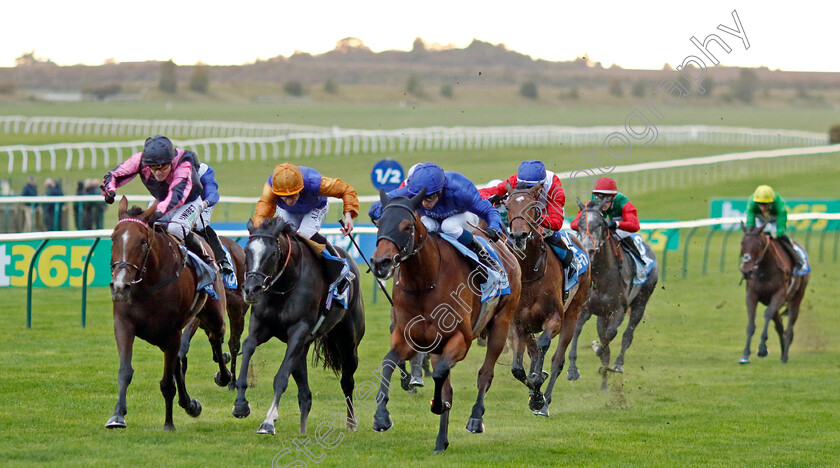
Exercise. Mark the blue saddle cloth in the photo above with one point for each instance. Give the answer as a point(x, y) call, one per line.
point(580, 262)
point(497, 284)
point(643, 267)
point(806, 267)
point(229, 279)
point(206, 275)
point(340, 288)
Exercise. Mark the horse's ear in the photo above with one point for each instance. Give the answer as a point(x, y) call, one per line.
point(415, 200)
point(149, 212)
point(383, 197)
point(535, 190)
point(508, 187)
point(250, 226)
point(743, 226)
point(579, 204)
point(123, 206)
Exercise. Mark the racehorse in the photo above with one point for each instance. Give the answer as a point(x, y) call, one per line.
point(768, 272)
point(437, 308)
point(154, 294)
point(541, 306)
point(612, 294)
point(286, 288)
point(236, 306)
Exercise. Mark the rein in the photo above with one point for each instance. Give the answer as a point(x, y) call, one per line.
point(415, 247)
point(269, 280)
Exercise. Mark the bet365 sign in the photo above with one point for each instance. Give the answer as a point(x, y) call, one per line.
point(60, 264)
point(723, 208)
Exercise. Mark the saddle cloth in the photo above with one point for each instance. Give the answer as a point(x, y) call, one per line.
point(580, 262)
point(497, 284)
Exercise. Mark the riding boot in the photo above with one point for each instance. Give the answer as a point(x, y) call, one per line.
point(794, 255)
point(484, 255)
point(193, 243)
point(216, 245)
point(630, 246)
point(567, 261)
point(332, 268)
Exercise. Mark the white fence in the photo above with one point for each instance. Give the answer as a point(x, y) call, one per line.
point(347, 142)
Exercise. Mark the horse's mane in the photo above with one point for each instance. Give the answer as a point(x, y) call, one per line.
point(590, 204)
point(134, 211)
point(275, 225)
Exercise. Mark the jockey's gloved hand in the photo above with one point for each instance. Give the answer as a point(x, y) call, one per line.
point(110, 195)
point(155, 217)
point(493, 234)
point(612, 224)
point(495, 200)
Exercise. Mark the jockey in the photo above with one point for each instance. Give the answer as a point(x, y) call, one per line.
point(618, 211)
point(298, 195)
point(170, 177)
point(210, 195)
point(450, 205)
point(771, 210)
point(551, 201)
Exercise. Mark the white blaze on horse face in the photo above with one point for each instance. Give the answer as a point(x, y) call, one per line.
point(519, 198)
point(257, 251)
point(119, 278)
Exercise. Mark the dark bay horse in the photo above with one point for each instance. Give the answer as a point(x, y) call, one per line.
point(768, 271)
point(612, 294)
point(541, 306)
point(154, 294)
point(286, 288)
point(436, 309)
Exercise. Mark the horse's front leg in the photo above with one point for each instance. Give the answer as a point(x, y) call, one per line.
point(257, 335)
point(752, 305)
point(299, 373)
point(584, 315)
point(124, 334)
point(517, 367)
point(769, 313)
point(295, 352)
point(382, 418)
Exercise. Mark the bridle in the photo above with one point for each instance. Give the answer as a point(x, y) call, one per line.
point(139, 270)
point(269, 280)
point(532, 230)
point(766, 240)
point(410, 247)
point(588, 232)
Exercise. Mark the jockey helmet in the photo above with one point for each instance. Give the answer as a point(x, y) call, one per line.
point(286, 180)
point(764, 194)
point(531, 172)
point(428, 175)
point(605, 186)
point(157, 151)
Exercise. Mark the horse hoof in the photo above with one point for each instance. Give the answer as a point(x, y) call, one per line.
point(169, 427)
point(618, 368)
point(226, 358)
point(382, 425)
point(222, 379)
point(242, 411)
point(518, 374)
point(574, 374)
point(762, 352)
point(744, 360)
point(416, 382)
point(536, 401)
point(440, 407)
point(194, 409)
point(404, 383)
point(784, 359)
point(266, 428)
point(542, 411)
point(116, 422)
point(475, 425)
point(441, 449)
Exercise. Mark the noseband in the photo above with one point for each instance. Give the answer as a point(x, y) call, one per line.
point(269, 280)
point(141, 270)
point(532, 229)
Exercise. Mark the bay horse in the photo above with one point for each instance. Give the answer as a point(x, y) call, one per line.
point(437, 309)
point(154, 295)
point(286, 288)
point(612, 295)
point(768, 272)
point(236, 306)
point(541, 305)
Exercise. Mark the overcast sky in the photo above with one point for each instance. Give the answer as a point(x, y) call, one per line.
point(800, 35)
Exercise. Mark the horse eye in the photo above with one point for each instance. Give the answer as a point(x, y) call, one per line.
point(144, 242)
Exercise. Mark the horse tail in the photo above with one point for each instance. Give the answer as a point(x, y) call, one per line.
point(326, 350)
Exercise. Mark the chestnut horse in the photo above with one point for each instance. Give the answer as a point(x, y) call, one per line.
point(612, 294)
point(154, 294)
point(436, 308)
point(768, 271)
point(286, 286)
point(541, 306)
